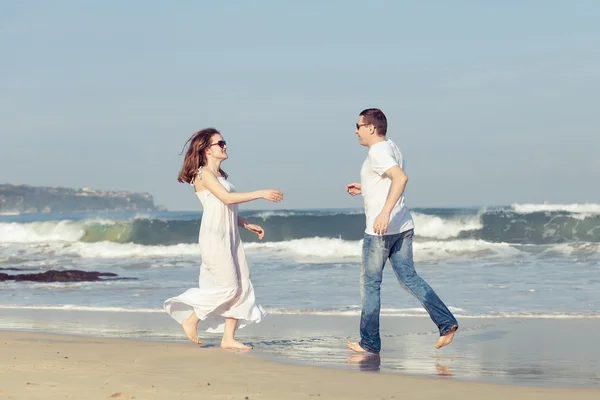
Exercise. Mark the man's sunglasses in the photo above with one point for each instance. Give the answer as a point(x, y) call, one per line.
point(220, 143)
point(358, 126)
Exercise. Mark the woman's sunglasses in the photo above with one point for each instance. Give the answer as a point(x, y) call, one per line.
point(220, 143)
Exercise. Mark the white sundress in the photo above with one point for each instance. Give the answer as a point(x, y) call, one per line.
point(224, 288)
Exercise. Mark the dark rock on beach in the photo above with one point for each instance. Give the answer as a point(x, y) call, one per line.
point(62, 276)
point(14, 269)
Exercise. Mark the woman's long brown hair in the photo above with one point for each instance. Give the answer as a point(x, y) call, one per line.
point(195, 157)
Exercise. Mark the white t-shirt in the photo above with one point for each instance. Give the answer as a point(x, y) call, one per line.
point(375, 186)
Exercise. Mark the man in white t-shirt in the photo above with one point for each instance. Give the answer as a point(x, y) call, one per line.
point(388, 235)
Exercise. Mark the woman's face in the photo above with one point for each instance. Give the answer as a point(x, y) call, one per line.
point(217, 148)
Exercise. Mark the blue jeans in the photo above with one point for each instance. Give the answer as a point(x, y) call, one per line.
point(375, 253)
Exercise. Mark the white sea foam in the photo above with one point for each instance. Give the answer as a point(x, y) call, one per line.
point(127, 250)
point(305, 250)
point(573, 249)
point(587, 208)
point(321, 248)
point(432, 226)
point(35, 232)
point(47, 231)
point(469, 248)
point(72, 307)
point(289, 213)
point(266, 214)
point(385, 312)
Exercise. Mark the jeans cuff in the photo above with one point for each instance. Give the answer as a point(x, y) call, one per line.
point(367, 347)
point(452, 328)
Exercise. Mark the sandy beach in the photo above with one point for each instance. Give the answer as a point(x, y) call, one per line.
point(47, 366)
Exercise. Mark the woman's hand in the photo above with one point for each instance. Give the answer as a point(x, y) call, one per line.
point(272, 195)
point(256, 229)
point(353, 189)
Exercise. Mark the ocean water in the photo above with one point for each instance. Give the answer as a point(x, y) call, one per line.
point(511, 275)
point(520, 260)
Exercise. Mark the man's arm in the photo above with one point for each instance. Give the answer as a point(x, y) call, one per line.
point(399, 181)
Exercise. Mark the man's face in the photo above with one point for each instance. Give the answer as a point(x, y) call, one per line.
point(363, 131)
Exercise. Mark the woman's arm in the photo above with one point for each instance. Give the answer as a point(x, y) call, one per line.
point(251, 227)
point(242, 222)
point(210, 182)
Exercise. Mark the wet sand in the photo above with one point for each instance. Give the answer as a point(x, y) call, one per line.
point(524, 353)
point(43, 366)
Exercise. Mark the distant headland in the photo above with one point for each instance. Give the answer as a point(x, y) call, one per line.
point(35, 199)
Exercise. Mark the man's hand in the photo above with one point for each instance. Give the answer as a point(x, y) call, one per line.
point(354, 189)
point(256, 229)
point(380, 226)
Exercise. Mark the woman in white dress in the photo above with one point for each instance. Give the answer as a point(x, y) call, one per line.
point(224, 300)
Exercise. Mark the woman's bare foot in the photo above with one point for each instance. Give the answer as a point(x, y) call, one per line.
point(190, 328)
point(447, 338)
point(443, 370)
point(233, 344)
point(356, 347)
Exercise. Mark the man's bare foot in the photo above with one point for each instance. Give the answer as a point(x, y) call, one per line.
point(446, 339)
point(190, 328)
point(356, 347)
point(233, 344)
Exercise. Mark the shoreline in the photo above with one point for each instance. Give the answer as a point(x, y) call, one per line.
point(506, 351)
point(53, 366)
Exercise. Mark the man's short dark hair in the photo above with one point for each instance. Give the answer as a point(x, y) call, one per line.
point(377, 118)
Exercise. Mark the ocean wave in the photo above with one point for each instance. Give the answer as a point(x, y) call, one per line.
point(520, 224)
point(278, 226)
point(435, 227)
point(36, 232)
point(539, 227)
point(311, 250)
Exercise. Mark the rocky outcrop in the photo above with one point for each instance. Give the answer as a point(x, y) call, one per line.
point(35, 199)
point(72, 275)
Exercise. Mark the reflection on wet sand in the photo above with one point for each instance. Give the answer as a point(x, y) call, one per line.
point(366, 361)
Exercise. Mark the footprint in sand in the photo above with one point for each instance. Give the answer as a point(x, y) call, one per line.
point(119, 395)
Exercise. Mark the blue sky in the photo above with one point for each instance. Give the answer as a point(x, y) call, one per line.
point(490, 102)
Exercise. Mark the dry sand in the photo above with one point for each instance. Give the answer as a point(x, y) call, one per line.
point(43, 366)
